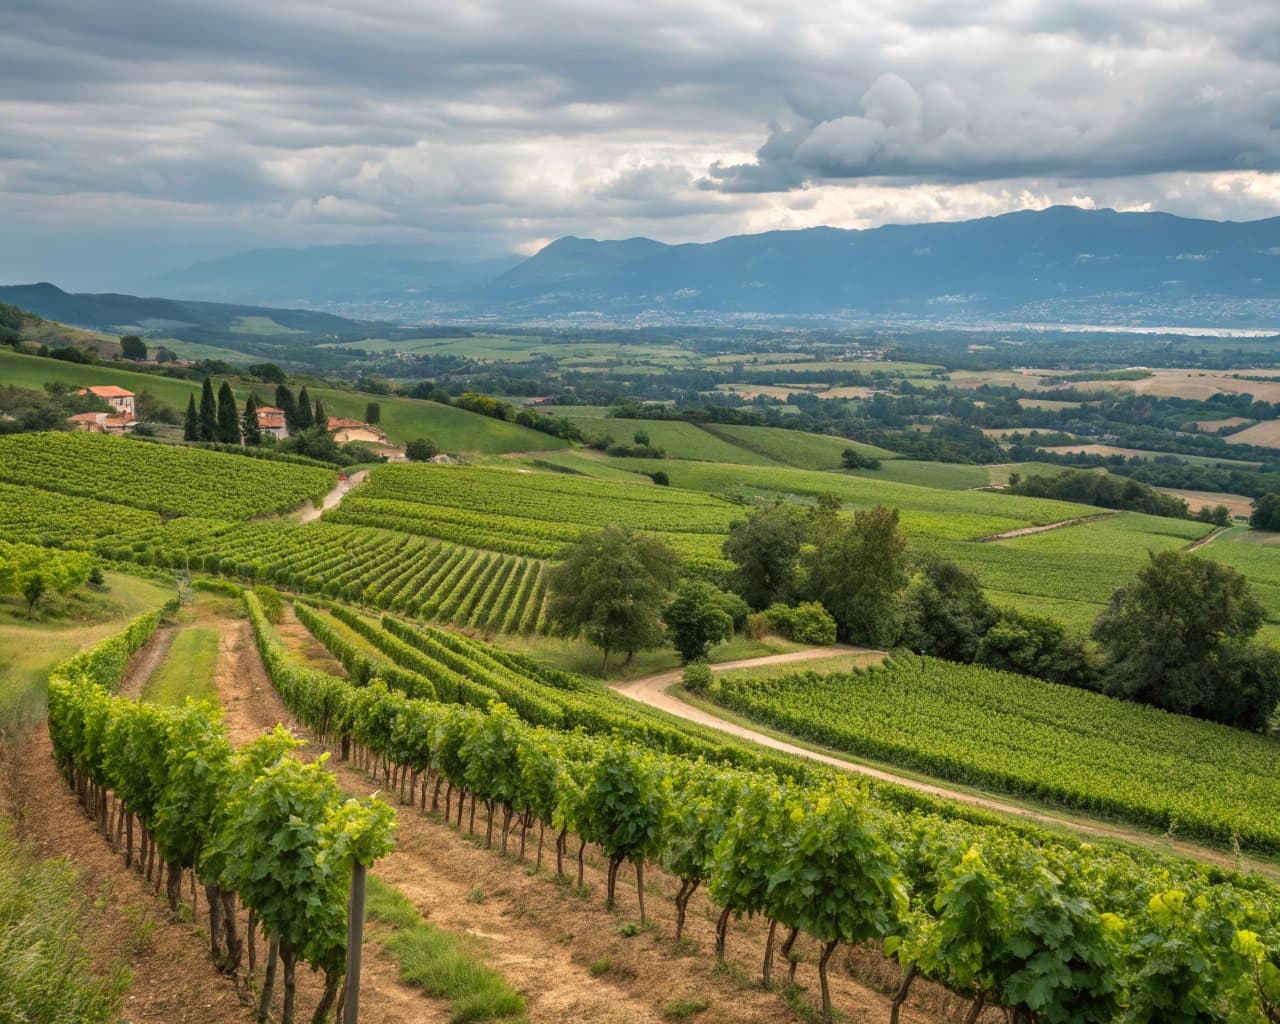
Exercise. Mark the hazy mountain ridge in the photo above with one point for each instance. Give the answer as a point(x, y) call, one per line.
point(1063, 264)
point(996, 266)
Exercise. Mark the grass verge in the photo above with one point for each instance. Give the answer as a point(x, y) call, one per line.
point(187, 669)
point(47, 974)
point(442, 963)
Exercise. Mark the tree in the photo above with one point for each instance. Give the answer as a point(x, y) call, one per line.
point(857, 569)
point(851, 458)
point(269, 372)
point(1266, 513)
point(421, 449)
point(208, 413)
point(610, 589)
point(1178, 637)
point(191, 425)
point(306, 420)
point(373, 414)
point(286, 404)
point(320, 418)
point(1036, 645)
point(164, 354)
point(764, 548)
point(228, 431)
point(33, 586)
point(697, 619)
point(133, 347)
point(947, 612)
point(249, 421)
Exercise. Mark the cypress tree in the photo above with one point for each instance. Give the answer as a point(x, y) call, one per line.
point(249, 422)
point(191, 427)
point(304, 409)
point(321, 418)
point(286, 404)
point(208, 413)
point(228, 416)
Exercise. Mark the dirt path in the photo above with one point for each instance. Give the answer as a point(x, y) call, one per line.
point(652, 690)
point(146, 659)
point(561, 949)
point(311, 513)
point(1027, 531)
point(1209, 538)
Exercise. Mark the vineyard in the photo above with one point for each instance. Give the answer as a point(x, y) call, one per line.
point(999, 916)
point(1014, 734)
point(533, 514)
point(174, 481)
point(254, 825)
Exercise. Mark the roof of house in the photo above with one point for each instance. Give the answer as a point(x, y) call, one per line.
point(336, 423)
point(86, 417)
point(107, 391)
point(270, 408)
point(271, 419)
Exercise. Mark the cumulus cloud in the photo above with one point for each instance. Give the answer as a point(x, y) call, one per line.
point(483, 127)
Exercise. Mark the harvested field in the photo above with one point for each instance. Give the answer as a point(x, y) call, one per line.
point(1265, 435)
point(1237, 504)
point(1213, 426)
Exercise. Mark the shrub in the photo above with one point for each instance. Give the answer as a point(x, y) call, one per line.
point(756, 625)
point(807, 623)
point(697, 677)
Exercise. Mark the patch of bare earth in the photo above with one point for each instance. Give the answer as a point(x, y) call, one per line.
point(544, 937)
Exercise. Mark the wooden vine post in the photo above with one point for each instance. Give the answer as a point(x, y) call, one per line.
point(355, 941)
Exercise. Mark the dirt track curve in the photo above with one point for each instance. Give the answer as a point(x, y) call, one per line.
point(334, 498)
point(652, 690)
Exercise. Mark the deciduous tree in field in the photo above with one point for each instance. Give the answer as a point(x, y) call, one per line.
point(697, 619)
point(610, 589)
point(1179, 637)
point(133, 347)
point(764, 547)
point(857, 569)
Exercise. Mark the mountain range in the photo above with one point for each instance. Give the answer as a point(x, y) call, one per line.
point(1059, 265)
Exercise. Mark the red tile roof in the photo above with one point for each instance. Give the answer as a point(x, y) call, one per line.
point(106, 391)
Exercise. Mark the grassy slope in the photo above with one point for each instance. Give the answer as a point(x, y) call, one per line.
point(794, 447)
point(403, 419)
point(28, 650)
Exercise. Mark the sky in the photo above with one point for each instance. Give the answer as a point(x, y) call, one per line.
point(142, 136)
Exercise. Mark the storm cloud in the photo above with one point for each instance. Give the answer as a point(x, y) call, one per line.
point(135, 135)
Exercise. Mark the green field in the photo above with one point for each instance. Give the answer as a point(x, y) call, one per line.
point(949, 476)
point(794, 447)
point(926, 510)
point(678, 439)
point(1011, 733)
point(186, 670)
point(454, 430)
point(28, 650)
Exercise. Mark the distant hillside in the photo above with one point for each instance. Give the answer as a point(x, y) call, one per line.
point(122, 313)
point(1063, 263)
point(329, 275)
point(36, 330)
